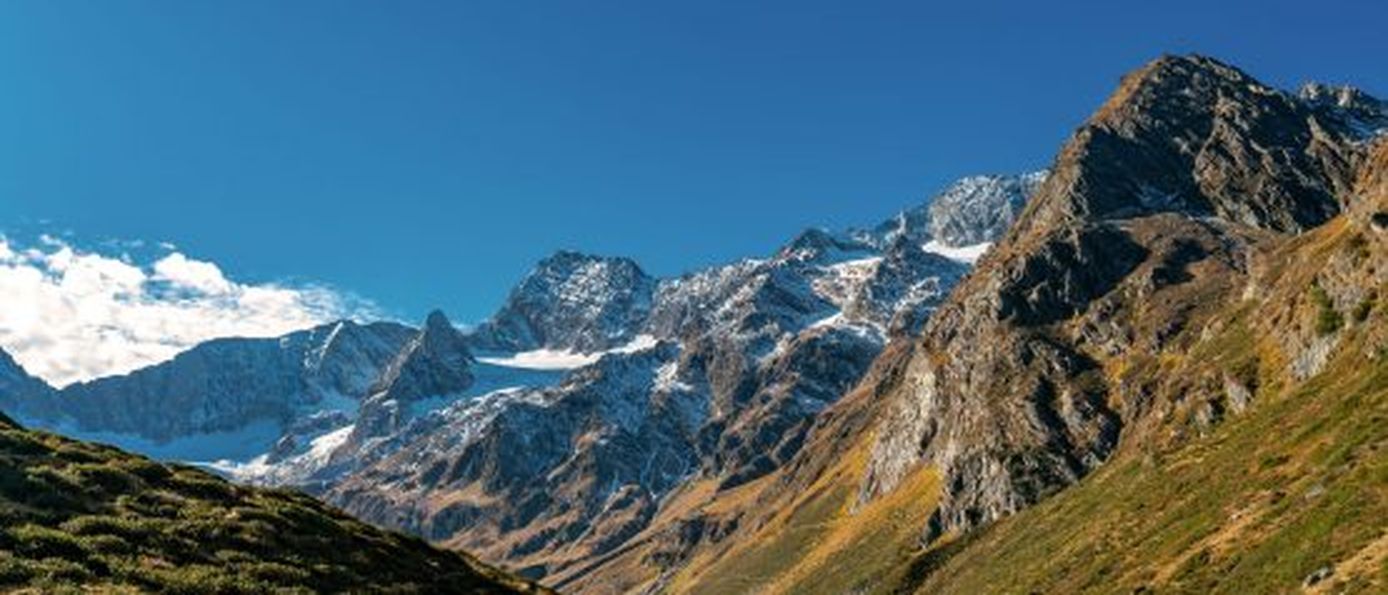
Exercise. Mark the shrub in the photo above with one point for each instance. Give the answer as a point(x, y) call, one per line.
point(105, 477)
point(200, 485)
point(1364, 307)
point(21, 443)
point(37, 541)
point(145, 469)
point(127, 528)
point(1328, 319)
point(105, 544)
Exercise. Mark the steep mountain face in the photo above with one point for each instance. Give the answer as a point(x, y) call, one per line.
point(78, 516)
point(1040, 364)
point(571, 301)
point(719, 379)
point(227, 384)
point(1274, 483)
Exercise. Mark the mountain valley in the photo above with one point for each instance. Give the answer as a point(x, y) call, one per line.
point(1155, 366)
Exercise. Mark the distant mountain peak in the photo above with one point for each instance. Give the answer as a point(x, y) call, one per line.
point(436, 362)
point(437, 321)
point(571, 301)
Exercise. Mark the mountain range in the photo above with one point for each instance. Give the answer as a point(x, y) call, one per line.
point(938, 402)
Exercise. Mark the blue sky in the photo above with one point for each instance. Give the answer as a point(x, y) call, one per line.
point(424, 154)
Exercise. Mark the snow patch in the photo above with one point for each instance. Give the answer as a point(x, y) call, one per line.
point(965, 254)
point(553, 359)
point(667, 378)
point(836, 319)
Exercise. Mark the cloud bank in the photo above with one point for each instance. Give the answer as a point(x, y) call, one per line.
point(69, 315)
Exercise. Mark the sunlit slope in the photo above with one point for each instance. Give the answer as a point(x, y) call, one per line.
point(1281, 489)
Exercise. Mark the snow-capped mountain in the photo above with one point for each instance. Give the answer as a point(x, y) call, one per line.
point(434, 364)
point(552, 430)
point(227, 384)
point(974, 210)
point(717, 375)
point(228, 398)
point(571, 301)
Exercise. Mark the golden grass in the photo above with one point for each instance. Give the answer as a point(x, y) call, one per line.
point(819, 543)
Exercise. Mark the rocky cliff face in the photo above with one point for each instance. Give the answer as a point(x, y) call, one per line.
point(1259, 437)
point(1015, 388)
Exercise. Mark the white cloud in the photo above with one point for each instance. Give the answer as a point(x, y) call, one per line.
point(69, 315)
point(203, 277)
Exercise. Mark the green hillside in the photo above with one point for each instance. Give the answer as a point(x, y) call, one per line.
point(76, 516)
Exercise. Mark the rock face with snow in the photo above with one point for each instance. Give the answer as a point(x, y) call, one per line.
point(712, 376)
point(973, 210)
point(434, 363)
point(571, 301)
point(1363, 115)
point(979, 209)
point(716, 375)
point(227, 384)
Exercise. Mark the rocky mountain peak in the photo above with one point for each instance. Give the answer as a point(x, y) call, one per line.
point(1173, 179)
point(970, 211)
point(1193, 135)
point(1363, 114)
point(436, 362)
point(436, 322)
point(815, 244)
point(571, 301)
point(979, 209)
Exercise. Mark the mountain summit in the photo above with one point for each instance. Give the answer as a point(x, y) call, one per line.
point(571, 301)
point(436, 363)
point(1172, 181)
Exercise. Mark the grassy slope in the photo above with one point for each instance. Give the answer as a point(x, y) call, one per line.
point(1297, 485)
point(819, 543)
point(77, 515)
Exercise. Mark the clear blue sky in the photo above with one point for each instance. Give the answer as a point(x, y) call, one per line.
point(426, 153)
